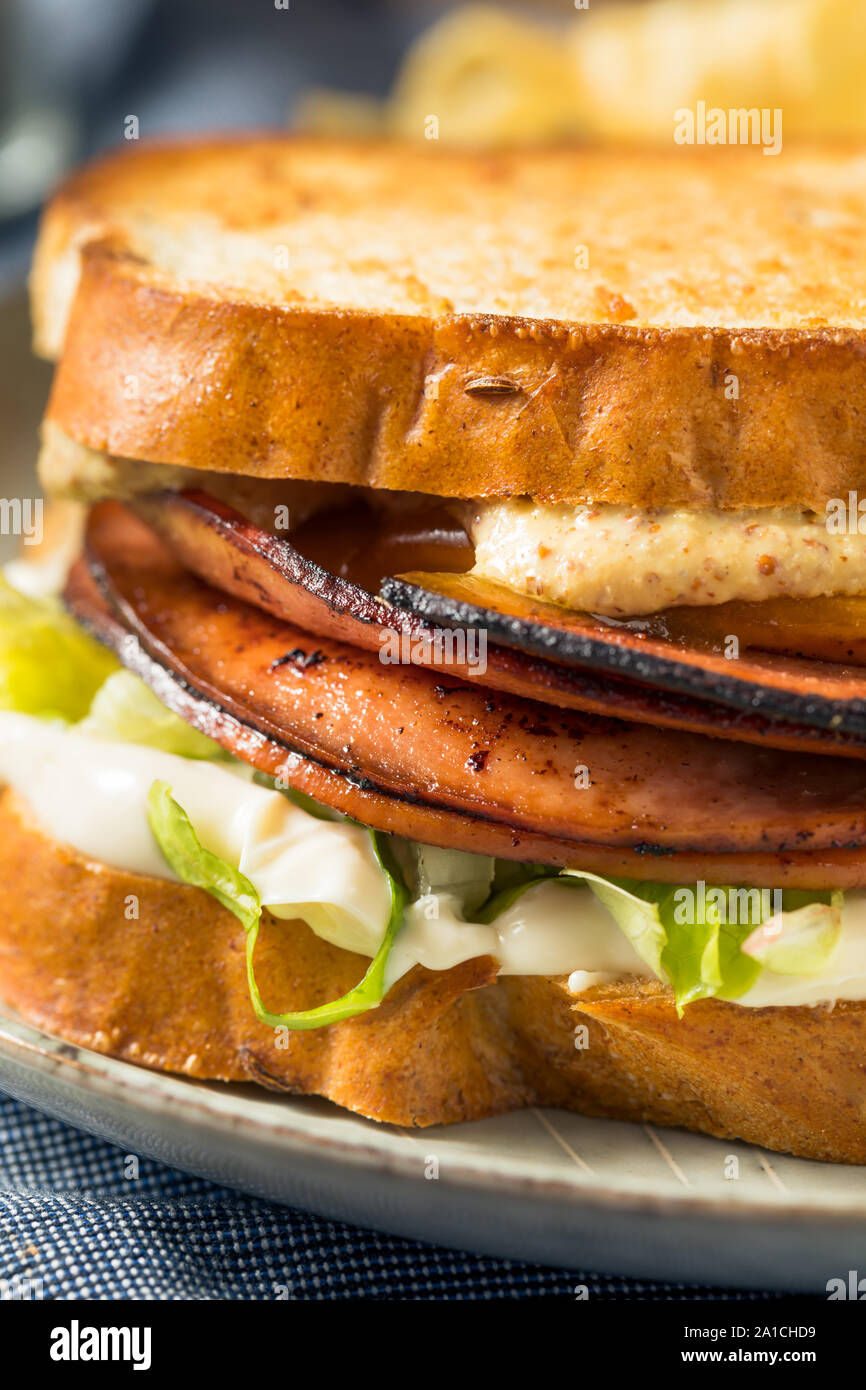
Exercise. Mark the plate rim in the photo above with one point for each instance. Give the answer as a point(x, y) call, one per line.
point(139, 1088)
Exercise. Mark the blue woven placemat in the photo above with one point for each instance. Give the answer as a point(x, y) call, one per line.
point(72, 1218)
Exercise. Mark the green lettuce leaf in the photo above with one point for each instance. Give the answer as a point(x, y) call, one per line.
point(801, 939)
point(502, 898)
point(709, 956)
point(706, 957)
point(371, 990)
point(700, 959)
point(49, 666)
point(125, 709)
point(197, 866)
point(467, 876)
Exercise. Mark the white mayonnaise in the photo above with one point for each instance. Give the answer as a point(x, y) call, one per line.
point(552, 929)
point(91, 793)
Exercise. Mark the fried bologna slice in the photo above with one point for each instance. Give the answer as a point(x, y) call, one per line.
point(518, 763)
point(168, 990)
point(413, 316)
point(820, 694)
point(431, 824)
point(221, 546)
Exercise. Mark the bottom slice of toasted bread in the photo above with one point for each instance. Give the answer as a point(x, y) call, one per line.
point(153, 972)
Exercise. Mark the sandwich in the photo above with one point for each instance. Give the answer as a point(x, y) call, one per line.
point(455, 700)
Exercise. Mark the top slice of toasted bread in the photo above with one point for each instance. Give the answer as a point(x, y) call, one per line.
point(683, 327)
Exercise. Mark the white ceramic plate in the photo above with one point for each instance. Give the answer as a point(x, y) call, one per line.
point(537, 1185)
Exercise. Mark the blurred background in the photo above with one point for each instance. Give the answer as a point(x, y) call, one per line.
point(72, 73)
point(77, 76)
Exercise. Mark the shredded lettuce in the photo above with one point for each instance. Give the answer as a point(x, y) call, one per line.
point(708, 956)
point(699, 952)
point(704, 957)
point(701, 959)
point(49, 666)
point(126, 710)
point(196, 866)
point(467, 876)
point(501, 899)
point(643, 912)
point(800, 940)
point(371, 990)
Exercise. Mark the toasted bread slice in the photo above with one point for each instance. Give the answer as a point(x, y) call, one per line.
point(683, 328)
point(153, 972)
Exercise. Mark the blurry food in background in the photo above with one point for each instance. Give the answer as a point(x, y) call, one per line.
point(618, 71)
point(487, 75)
point(482, 73)
point(636, 66)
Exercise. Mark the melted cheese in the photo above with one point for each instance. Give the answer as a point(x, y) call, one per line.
point(624, 562)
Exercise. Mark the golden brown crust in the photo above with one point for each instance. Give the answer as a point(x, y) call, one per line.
point(167, 988)
point(784, 1078)
point(230, 366)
